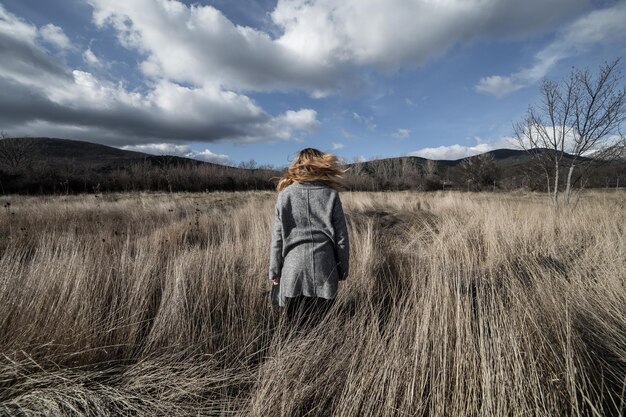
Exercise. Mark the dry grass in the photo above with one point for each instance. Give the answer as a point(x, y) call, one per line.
point(457, 304)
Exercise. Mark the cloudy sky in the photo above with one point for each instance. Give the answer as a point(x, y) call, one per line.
point(234, 80)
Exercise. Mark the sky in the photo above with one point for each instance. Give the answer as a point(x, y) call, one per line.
point(229, 81)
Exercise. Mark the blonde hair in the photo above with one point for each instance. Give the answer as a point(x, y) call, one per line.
point(312, 165)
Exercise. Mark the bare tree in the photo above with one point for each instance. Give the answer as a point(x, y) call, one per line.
point(577, 124)
point(479, 170)
point(430, 176)
point(430, 168)
point(15, 152)
point(250, 164)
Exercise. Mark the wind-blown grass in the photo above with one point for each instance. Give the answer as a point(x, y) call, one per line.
point(456, 304)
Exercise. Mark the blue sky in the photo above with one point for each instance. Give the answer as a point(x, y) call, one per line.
point(229, 81)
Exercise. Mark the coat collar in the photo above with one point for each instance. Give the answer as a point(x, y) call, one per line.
point(310, 184)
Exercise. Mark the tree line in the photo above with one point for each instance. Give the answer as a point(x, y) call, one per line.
point(19, 173)
point(477, 173)
point(69, 178)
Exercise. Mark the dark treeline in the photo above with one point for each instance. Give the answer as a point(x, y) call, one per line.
point(48, 165)
point(385, 175)
point(141, 176)
point(58, 166)
point(479, 173)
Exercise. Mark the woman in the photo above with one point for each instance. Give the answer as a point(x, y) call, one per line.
point(309, 247)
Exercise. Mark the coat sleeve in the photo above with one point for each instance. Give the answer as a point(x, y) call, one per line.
point(276, 245)
point(342, 244)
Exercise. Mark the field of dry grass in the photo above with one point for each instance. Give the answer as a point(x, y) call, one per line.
point(457, 305)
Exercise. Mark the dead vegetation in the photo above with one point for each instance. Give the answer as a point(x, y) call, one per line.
point(457, 304)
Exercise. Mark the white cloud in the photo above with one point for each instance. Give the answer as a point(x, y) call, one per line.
point(401, 134)
point(180, 150)
point(597, 27)
point(198, 44)
point(160, 149)
point(497, 85)
point(408, 102)
point(9, 24)
point(367, 121)
point(167, 111)
point(23, 61)
point(453, 152)
point(318, 45)
point(55, 36)
point(304, 119)
point(393, 33)
point(91, 58)
point(40, 92)
point(285, 125)
point(347, 134)
point(208, 156)
point(337, 146)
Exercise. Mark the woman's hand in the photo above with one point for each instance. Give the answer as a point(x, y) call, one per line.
point(276, 280)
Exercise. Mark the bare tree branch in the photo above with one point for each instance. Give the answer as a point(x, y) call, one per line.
point(582, 118)
point(16, 153)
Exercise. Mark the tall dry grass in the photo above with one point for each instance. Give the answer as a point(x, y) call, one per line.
point(457, 304)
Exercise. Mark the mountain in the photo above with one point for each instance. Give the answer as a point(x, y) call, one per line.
point(503, 158)
point(62, 151)
point(41, 165)
point(503, 168)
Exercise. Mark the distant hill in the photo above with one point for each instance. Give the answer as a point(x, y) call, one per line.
point(62, 165)
point(502, 157)
point(53, 165)
point(510, 169)
point(95, 155)
point(85, 153)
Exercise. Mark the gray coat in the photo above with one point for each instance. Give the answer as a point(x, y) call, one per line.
point(309, 247)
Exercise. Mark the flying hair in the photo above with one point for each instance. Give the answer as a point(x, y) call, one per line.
point(312, 165)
